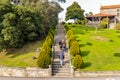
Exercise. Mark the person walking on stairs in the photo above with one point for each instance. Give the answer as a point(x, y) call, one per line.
point(61, 57)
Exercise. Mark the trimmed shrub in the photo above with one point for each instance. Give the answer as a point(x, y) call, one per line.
point(47, 50)
point(49, 41)
point(51, 37)
point(77, 62)
point(44, 60)
point(71, 39)
point(69, 33)
point(74, 48)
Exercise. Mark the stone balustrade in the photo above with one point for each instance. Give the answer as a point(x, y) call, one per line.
point(25, 72)
point(96, 73)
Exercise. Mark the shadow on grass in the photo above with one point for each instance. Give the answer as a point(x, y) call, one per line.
point(82, 33)
point(84, 53)
point(82, 45)
point(117, 54)
point(117, 31)
point(111, 40)
point(89, 44)
point(78, 40)
point(119, 36)
point(85, 65)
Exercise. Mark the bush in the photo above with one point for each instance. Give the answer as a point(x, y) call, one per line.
point(49, 41)
point(77, 61)
point(81, 22)
point(47, 50)
point(63, 22)
point(69, 33)
point(71, 39)
point(44, 60)
point(66, 27)
point(74, 48)
point(118, 26)
point(51, 37)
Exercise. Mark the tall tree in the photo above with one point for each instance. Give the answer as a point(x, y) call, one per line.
point(89, 14)
point(75, 12)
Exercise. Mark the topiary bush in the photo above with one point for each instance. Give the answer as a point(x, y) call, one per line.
point(71, 39)
point(69, 33)
point(49, 41)
point(77, 62)
point(47, 50)
point(44, 60)
point(74, 48)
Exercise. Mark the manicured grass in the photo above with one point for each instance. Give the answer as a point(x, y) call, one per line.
point(21, 57)
point(100, 51)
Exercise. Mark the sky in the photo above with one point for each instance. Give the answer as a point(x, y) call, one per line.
point(87, 5)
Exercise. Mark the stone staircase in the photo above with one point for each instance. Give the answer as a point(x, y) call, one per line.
point(57, 69)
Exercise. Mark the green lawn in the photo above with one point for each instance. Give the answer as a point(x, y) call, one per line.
point(100, 51)
point(21, 57)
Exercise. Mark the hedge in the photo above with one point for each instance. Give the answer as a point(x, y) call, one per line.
point(44, 59)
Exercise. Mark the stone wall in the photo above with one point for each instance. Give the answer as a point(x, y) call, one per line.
point(25, 72)
point(96, 73)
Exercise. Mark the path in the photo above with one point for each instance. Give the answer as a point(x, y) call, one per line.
point(57, 70)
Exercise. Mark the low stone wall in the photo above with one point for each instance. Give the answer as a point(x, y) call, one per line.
point(25, 72)
point(96, 73)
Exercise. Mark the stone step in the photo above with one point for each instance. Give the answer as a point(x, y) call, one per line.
point(59, 67)
point(58, 64)
point(61, 71)
point(57, 55)
point(62, 75)
point(65, 69)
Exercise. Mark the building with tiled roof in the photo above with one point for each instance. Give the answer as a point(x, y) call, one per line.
point(110, 11)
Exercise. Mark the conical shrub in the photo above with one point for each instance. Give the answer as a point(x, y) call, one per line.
point(49, 41)
point(74, 48)
point(77, 61)
point(69, 33)
point(43, 60)
point(46, 49)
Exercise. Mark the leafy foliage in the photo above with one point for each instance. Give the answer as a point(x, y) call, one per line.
point(46, 51)
point(104, 22)
point(18, 25)
point(75, 12)
point(74, 48)
point(77, 61)
point(44, 60)
point(69, 33)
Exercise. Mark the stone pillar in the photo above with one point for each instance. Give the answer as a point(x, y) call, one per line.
point(72, 70)
point(50, 71)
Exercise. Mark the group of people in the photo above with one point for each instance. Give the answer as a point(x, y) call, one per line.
point(62, 45)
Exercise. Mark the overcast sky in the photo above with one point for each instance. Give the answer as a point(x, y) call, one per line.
point(88, 5)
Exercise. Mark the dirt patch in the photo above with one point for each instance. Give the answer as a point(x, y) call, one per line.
point(100, 38)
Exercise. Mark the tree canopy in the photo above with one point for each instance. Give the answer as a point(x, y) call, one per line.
point(23, 23)
point(75, 12)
